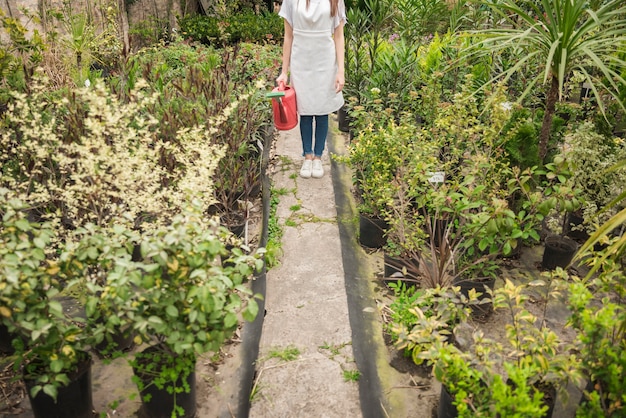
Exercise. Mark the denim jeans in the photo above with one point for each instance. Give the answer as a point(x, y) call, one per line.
point(306, 131)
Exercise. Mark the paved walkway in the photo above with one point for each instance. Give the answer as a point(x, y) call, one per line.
point(306, 303)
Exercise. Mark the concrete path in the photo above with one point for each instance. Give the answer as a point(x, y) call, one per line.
point(306, 366)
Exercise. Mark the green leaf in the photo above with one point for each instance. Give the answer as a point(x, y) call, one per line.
point(171, 311)
point(230, 320)
point(155, 321)
point(56, 365)
point(39, 242)
point(56, 308)
point(35, 390)
point(252, 310)
point(50, 390)
point(22, 225)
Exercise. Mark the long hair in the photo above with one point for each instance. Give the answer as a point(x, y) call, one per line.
point(334, 5)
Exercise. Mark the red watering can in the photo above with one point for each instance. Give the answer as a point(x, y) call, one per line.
point(284, 107)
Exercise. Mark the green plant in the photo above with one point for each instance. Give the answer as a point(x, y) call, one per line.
point(289, 353)
point(563, 36)
point(590, 157)
point(364, 37)
point(599, 318)
point(208, 297)
point(134, 177)
point(454, 227)
point(275, 233)
point(189, 297)
point(351, 375)
point(49, 345)
point(531, 339)
point(218, 93)
point(479, 390)
point(246, 26)
point(20, 56)
point(420, 318)
point(415, 18)
point(375, 156)
point(489, 378)
point(106, 268)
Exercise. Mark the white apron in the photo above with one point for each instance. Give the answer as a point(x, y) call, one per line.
point(313, 59)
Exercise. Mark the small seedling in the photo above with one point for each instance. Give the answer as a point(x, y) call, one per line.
point(334, 348)
point(283, 191)
point(295, 208)
point(351, 375)
point(289, 353)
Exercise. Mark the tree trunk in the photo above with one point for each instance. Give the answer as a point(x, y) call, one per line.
point(546, 125)
point(124, 28)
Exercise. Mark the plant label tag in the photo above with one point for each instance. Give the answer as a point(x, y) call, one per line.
point(436, 176)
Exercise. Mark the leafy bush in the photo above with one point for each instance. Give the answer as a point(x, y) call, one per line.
point(246, 26)
point(83, 156)
point(197, 84)
point(423, 317)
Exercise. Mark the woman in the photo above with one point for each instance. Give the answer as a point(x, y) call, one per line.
point(313, 55)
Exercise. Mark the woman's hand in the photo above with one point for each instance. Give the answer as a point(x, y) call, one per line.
point(282, 78)
point(340, 80)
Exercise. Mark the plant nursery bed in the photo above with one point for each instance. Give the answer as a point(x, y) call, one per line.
point(523, 269)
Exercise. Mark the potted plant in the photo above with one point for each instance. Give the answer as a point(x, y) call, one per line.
point(561, 36)
point(473, 387)
point(375, 156)
point(107, 263)
point(590, 157)
point(599, 319)
point(51, 347)
point(483, 377)
point(422, 317)
point(449, 212)
point(185, 302)
point(563, 200)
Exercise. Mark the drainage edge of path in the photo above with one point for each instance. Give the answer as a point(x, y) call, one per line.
point(376, 385)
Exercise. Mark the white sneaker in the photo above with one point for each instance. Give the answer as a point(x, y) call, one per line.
point(305, 171)
point(317, 171)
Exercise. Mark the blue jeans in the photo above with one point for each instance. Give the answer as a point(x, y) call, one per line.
point(306, 132)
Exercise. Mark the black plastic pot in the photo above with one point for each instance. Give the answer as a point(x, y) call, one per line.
point(159, 402)
point(573, 226)
point(343, 119)
point(372, 231)
point(485, 307)
point(73, 401)
point(395, 268)
point(558, 252)
point(120, 341)
point(6, 340)
point(446, 408)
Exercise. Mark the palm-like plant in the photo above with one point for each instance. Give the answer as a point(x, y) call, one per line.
point(565, 36)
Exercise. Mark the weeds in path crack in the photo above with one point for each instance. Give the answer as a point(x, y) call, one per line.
point(346, 363)
point(273, 248)
point(351, 375)
point(287, 355)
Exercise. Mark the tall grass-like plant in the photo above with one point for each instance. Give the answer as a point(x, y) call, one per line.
point(415, 18)
point(563, 36)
